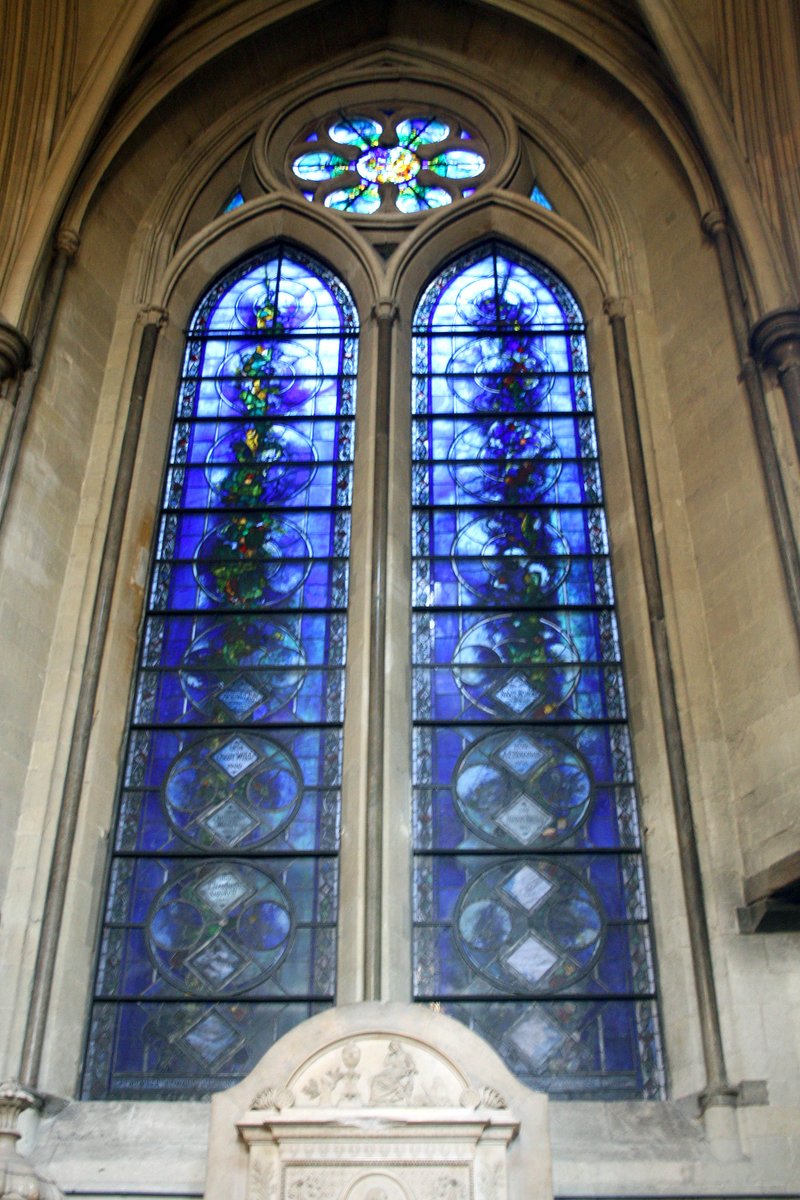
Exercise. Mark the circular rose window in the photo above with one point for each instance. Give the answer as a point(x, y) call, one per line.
point(387, 161)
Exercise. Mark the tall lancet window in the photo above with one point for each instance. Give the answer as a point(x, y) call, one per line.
point(529, 898)
point(219, 930)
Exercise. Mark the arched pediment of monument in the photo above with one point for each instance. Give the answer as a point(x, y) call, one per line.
point(379, 1102)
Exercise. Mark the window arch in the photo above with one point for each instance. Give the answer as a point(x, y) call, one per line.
point(529, 901)
point(219, 931)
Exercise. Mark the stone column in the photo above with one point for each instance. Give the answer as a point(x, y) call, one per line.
point(775, 344)
point(66, 247)
point(152, 320)
point(717, 1091)
point(384, 314)
point(716, 228)
point(15, 356)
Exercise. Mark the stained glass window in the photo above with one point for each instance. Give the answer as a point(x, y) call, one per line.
point(219, 931)
point(529, 899)
point(388, 162)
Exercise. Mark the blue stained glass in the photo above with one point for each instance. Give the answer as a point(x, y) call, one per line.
point(522, 768)
point(538, 197)
point(362, 199)
point(419, 197)
point(457, 164)
point(233, 764)
point(356, 131)
point(421, 131)
point(235, 201)
point(319, 166)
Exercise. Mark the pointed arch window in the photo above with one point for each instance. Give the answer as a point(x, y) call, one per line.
point(529, 900)
point(219, 931)
point(529, 907)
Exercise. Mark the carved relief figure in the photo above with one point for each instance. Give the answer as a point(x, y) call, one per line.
point(394, 1083)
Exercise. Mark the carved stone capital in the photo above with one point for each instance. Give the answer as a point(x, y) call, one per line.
point(713, 223)
point(14, 1100)
point(67, 242)
point(151, 314)
point(15, 350)
point(18, 1177)
point(775, 339)
point(615, 307)
point(385, 310)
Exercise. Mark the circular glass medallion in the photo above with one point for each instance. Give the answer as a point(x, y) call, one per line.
point(508, 373)
point(258, 561)
point(219, 928)
point(512, 302)
point(274, 377)
point(260, 307)
point(243, 668)
point(260, 463)
point(516, 666)
point(232, 791)
point(522, 788)
point(530, 925)
point(511, 461)
point(511, 558)
point(397, 165)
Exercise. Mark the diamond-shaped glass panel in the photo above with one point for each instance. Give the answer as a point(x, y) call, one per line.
point(240, 697)
point(229, 823)
point(517, 694)
point(235, 756)
point(211, 1039)
point(527, 887)
point(531, 959)
point(522, 754)
point(222, 890)
point(536, 1038)
point(217, 962)
point(523, 819)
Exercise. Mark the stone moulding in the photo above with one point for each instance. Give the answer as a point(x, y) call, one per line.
point(15, 350)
